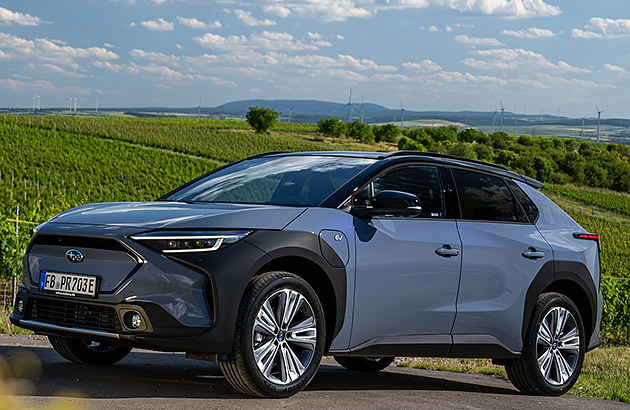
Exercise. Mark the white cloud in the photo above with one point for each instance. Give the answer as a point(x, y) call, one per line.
point(162, 73)
point(340, 10)
point(269, 40)
point(159, 1)
point(340, 37)
point(156, 57)
point(8, 18)
point(432, 29)
point(615, 68)
point(109, 45)
point(314, 36)
point(604, 28)
point(362, 64)
point(248, 19)
point(51, 68)
point(279, 11)
point(50, 51)
point(532, 32)
point(478, 41)
point(518, 59)
point(198, 24)
point(423, 65)
point(158, 25)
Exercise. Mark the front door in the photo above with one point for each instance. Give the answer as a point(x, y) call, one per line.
point(407, 268)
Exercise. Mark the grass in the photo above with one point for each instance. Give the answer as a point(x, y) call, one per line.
point(605, 373)
point(6, 327)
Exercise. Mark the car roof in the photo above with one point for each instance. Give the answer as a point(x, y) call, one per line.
point(416, 155)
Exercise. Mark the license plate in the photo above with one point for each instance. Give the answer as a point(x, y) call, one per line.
point(67, 284)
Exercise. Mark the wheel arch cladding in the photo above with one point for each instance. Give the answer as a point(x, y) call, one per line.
point(571, 279)
point(301, 254)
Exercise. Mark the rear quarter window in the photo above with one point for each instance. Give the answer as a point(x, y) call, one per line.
point(529, 207)
point(484, 197)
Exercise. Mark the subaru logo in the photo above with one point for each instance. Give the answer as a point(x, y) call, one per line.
point(74, 255)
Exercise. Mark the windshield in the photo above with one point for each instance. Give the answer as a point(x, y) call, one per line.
point(286, 180)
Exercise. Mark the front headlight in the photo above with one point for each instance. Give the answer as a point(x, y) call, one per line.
point(189, 241)
point(38, 227)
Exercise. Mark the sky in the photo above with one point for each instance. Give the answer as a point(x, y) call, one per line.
point(551, 55)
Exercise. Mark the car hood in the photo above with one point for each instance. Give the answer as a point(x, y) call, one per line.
point(162, 214)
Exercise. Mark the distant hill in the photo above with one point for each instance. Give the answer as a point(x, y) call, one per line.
point(310, 111)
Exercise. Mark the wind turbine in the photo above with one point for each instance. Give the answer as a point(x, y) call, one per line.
point(542, 114)
point(70, 108)
point(402, 114)
point(494, 114)
point(349, 105)
point(599, 116)
point(199, 109)
point(582, 131)
point(502, 114)
point(290, 110)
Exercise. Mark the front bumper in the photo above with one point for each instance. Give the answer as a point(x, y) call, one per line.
point(188, 303)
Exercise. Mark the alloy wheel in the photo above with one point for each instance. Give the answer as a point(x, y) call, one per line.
point(558, 346)
point(284, 336)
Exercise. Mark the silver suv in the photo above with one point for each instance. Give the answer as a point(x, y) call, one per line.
point(271, 262)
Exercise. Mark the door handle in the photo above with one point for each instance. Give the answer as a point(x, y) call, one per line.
point(532, 253)
point(446, 251)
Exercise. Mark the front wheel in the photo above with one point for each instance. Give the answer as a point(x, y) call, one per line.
point(553, 349)
point(279, 339)
point(87, 351)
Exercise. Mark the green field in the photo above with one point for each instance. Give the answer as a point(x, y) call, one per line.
point(54, 163)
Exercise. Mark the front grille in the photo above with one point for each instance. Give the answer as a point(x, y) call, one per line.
point(71, 314)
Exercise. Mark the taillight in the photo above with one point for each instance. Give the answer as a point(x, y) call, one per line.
point(590, 237)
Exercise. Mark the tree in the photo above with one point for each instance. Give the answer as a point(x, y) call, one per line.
point(361, 132)
point(463, 149)
point(331, 127)
point(387, 133)
point(261, 119)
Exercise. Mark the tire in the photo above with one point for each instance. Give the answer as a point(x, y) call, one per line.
point(264, 346)
point(88, 352)
point(364, 364)
point(554, 376)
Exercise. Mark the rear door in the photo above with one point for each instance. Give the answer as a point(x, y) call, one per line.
point(502, 251)
point(403, 286)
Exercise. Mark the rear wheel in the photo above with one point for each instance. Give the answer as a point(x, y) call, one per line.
point(279, 338)
point(553, 349)
point(88, 352)
point(364, 364)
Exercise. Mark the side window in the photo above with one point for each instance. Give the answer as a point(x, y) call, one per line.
point(485, 198)
point(528, 205)
point(421, 180)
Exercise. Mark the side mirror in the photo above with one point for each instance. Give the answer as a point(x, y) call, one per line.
point(388, 202)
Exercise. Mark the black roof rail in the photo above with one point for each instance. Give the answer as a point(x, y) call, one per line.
point(528, 180)
point(446, 156)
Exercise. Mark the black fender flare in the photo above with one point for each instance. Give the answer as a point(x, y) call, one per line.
point(307, 245)
point(553, 272)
